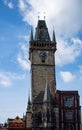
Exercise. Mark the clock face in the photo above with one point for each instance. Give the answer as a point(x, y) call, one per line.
point(43, 56)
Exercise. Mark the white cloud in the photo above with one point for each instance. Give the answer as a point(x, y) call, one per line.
point(9, 4)
point(23, 62)
point(6, 78)
point(24, 37)
point(65, 16)
point(67, 76)
point(15, 76)
point(22, 57)
point(5, 2)
point(22, 5)
point(80, 69)
point(68, 51)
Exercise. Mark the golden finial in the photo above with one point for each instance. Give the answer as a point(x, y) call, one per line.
point(44, 15)
point(38, 15)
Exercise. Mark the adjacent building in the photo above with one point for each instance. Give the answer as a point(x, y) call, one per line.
point(69, 110)
point(16, 124)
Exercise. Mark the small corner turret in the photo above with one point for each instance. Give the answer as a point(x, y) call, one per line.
point(29, 115)
point(53, 37)
point(31, 35)
point(29, 106)
point(47, 94)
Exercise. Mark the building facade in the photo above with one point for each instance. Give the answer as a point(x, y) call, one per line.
point(45, 108)
point(69, 110)
point(16, 124)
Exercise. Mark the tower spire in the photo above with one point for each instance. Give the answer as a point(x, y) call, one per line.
point(29, 104)
point(53, 37)
point(47, 95)
point(42, 33)
point(31, 35)
point(38, 15)
point(44, 15)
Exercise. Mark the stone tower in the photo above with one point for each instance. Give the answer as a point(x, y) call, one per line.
point(48, 108)
point(41, 110)
point(41, 55)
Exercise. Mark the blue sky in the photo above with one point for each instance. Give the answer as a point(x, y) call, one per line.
point(16, 19)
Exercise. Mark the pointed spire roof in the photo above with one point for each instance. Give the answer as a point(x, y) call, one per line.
point(53, 37)
point(29, 102)
point(29, 105)
point(47, 94)
point(31, 35)
point(41, 33)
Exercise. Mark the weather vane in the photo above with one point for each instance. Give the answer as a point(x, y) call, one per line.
point(38, 15)
point(44, 15)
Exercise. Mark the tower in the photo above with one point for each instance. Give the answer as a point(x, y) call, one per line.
point(41, 55)
point(49, 109)
point(29, 115)
point(43, 81)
